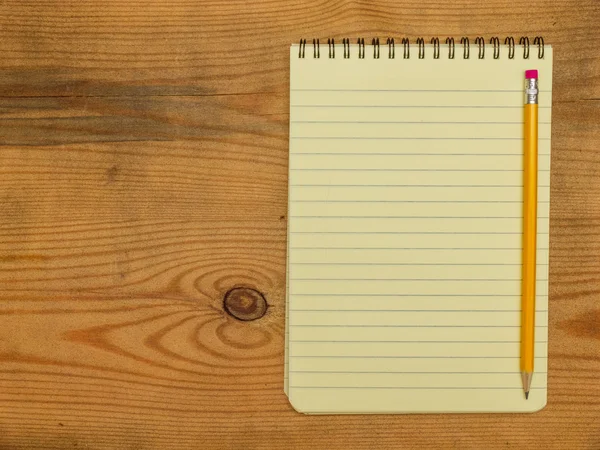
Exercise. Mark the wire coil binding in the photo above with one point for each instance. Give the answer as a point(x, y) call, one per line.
point(421, 44)
point(509, 44)
point(496, 43)
point(331, 45)
point(361, 48)
point(406, 46)
point(346, 43)
point(302, 48)
point(376, 48)
point(436, 47)
point(466, 47)
point(524, 41)
point(481, 44)
point(391, 48)
point(450, 44)
point(539, 41)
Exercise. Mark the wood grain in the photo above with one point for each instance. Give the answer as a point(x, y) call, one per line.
point(144, 175)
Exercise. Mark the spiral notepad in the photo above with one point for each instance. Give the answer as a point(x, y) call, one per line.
point(405, 226)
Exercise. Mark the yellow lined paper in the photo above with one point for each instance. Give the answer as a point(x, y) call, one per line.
point(404, 235)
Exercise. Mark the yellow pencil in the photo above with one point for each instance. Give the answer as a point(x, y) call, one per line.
point(528, 274)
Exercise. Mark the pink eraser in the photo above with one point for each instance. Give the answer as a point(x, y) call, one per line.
point(531, 74)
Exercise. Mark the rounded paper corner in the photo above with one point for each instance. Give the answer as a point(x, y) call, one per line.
point(540, 407)
point(293, 403)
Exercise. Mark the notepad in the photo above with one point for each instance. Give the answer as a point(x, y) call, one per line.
point(405, 228)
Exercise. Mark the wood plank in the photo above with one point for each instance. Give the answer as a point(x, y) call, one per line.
point(143, 154)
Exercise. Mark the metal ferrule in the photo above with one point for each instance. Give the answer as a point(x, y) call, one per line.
point(531, 91)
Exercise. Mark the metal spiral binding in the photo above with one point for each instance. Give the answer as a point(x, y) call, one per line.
point(391, 48)
point(524, 41)
point(406, 46)
point(450, 44)
point(539, 41)
point(466, 47)
point(361, 48)
point(421, 44)
point(496, 43)
point(302, 48)
point(509, 42)
point(481, 44)
point(436, 48)
point(346, 43)
point(376, 48)
point(511, 47)
point(331, 45)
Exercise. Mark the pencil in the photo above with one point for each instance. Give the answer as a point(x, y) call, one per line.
point(528, 274)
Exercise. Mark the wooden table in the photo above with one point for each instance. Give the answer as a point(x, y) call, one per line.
point(144, 175)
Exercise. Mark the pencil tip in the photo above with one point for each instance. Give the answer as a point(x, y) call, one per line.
point(526, 378)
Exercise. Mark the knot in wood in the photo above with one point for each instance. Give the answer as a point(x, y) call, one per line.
point(245, 303)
